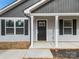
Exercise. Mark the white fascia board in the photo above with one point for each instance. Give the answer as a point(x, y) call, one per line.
point(10, 6)
point(55, 14)
point(35, 6)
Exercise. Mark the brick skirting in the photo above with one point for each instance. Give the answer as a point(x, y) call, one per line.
point(15, 45)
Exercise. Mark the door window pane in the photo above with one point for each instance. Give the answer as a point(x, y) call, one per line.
point(41, 24)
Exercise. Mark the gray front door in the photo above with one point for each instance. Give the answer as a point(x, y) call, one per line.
point(41, 26)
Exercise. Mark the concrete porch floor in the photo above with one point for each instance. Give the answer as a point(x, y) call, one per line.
point(61, 45)
point(43, 44)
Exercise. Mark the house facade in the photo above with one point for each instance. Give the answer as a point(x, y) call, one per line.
point(45, 21)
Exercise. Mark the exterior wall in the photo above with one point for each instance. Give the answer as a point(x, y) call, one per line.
point(16, 41)
point(50, 30)
point(14, 38)
point(70, 37)
point(59, 6)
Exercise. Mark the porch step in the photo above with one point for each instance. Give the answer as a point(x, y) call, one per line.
point(38, 54)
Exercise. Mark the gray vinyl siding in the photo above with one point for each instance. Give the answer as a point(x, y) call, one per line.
point(59, 6)
point(19, 10)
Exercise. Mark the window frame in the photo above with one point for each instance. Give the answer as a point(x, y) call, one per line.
point(8, 27)
point(20, 27)
point(68, 27)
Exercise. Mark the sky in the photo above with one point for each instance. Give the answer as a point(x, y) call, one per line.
point(5, 3)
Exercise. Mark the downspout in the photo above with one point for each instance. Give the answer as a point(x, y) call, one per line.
point(30, 25)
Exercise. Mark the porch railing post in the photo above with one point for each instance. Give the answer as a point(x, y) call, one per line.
point(31, 32)
point(56, 31)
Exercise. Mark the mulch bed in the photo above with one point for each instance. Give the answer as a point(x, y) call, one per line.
point(65, 54)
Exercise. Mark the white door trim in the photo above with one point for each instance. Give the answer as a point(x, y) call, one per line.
point(46, 29)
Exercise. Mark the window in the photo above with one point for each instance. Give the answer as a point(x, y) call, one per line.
point(9, 27)
point(5, 3)
point(68, 27)
point(14, 26)
point(19, 26)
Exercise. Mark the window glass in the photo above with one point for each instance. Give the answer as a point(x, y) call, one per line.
point(67, 30)
point(9, 31)
point(67, 23)
point(19, 23)
point(19, 30)
point(41, 24)
point(9, 23)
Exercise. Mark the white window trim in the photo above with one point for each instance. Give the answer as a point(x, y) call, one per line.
point(10, 6)
point(68, 27)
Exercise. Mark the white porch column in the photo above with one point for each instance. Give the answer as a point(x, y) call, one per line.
point(31, 32)
point(56, 31)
